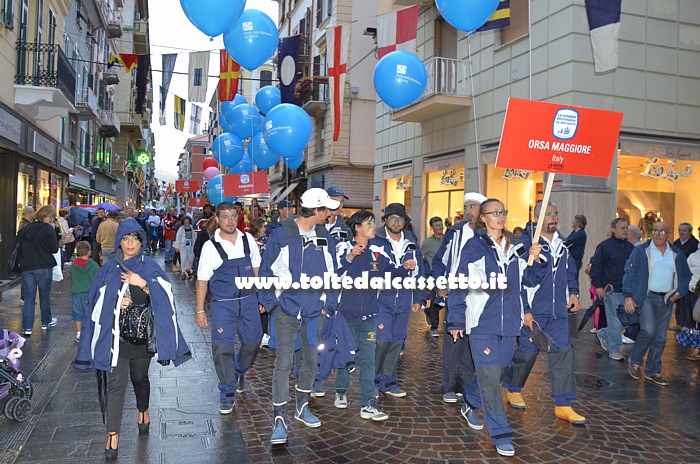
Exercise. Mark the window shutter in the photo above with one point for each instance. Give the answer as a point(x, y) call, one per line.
point(519, 22)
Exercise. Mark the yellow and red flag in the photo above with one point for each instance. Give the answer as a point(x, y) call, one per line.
point(229, 71)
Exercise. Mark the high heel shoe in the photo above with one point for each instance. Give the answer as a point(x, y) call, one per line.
point(111, 453)
point(142, 425)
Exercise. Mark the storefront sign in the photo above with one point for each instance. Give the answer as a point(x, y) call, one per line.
point(245, 184)
point(559, 139)
point(186, 186)
point(451, 177)
point(516, 174)
point(43, 146)
point(67, 160)
point(669, 172)
point(404, 183)
point(10, 127)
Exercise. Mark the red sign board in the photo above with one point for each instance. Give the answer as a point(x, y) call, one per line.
point(540, 136)
point(186, 186)
point(236, 185)
point(198, 202)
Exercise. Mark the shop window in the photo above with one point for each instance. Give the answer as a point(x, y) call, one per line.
point(398, 190)
point(44, 187)
point(26, 188)
point(445, 196)
point(519, 191)
point(519, 22)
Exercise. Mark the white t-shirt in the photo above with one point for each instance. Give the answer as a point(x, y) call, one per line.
point(153, 221)
point(210, 260)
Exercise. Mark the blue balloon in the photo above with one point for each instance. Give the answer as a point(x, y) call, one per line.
point(215, 190)
point(223, 121)
point(245, 120)
point(228, 149)
point(246, 165)
point(239, 100)
point(228, 106)
point(213, 17)
point(252, 40)
point(467, 15)
point(262, 155)
point(400, 78)
point(267, 98)
point(287, 129)
point(293, 162)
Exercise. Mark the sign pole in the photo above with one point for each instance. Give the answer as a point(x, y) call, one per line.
point(543, 210)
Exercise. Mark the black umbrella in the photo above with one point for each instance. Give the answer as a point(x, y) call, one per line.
point(597, 304)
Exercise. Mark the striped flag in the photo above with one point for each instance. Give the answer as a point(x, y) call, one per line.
point(397, 31)
point(180, 113)
point(500, 18)
point(604, 23)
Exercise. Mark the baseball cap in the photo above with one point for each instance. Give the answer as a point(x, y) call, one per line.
point(336, 192)
point(318, 198)
point(474, 196)
point(285, 204)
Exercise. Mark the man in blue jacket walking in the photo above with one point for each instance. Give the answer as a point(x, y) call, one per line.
point(656, 276)
point(300, 248)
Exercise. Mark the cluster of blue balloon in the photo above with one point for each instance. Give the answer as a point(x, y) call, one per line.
point(250, 36)
point(400, 77)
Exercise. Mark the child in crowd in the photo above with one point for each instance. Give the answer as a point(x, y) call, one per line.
point(82, 274)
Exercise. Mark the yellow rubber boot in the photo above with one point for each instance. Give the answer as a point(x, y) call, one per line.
point(568, 414)
point(516, 400)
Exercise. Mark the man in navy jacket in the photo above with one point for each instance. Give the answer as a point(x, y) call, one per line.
point(656, 276)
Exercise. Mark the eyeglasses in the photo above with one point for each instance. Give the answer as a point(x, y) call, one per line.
point(551, 214)
point(496, 214)
point(227, 217)
point(395, 219)
point(659, 232)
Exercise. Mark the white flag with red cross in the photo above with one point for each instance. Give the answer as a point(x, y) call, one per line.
point(337, 39)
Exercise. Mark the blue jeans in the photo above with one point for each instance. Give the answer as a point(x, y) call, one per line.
point(169, 250)
point(41, 279)
point(654, 317)
point(365, 335)
point(613, 332)
point(80, 304)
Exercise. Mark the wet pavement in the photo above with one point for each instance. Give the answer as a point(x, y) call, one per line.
point(628, 420)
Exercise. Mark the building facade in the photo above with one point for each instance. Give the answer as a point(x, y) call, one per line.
point(429, 153)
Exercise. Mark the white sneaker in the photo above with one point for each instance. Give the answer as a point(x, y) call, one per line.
point(341, 401)
point(373, 412)
point(627, 340)
point(265, 340)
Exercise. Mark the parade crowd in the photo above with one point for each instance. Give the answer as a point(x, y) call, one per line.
point(122, 299)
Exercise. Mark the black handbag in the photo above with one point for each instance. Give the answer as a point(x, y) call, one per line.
point(13, 263)
point(136, 325)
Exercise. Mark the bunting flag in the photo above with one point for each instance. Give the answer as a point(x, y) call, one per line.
point(288, 61)
point(198, 76)
point(604, 23)
point(180, 113)
point(337, 47)
point(195, 119)
point(126, 165)
point(500, 18)
point(229, 71)
point(112, 60)
point(397, 31)
point(167, 74)
point(142, 73)
point(129, 61)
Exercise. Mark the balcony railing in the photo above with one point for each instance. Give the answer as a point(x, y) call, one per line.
point(86, 103)
point(45, 65)
point(109, 124)
point(447, 76)
point(114, 24)
point(312, 96)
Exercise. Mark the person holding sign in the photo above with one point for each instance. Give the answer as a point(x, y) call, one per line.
point(492, 317)
point(549, 302)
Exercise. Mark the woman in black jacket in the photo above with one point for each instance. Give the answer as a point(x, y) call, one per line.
point(39, 242)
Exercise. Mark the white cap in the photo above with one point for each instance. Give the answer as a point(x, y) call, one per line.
point(318, 198)
point(474, 196)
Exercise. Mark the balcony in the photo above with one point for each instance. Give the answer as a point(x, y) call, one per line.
point(407, 2)
point(109, 123)
point(114, 24)
point(86, 104)
point(447, 91)
point(312, 95)
point(45, 81)
point(110, 77)
point(140, 37)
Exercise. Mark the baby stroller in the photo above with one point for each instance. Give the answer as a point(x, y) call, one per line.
point(13, 386)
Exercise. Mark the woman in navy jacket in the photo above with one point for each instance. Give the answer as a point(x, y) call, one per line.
point(492, 317)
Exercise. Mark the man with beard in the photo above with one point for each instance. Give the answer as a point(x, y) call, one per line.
point(549, 303)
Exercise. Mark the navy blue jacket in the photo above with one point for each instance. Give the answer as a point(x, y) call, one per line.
point(104, 302)
point(577, 245)
point(608, 264)
point(400, 301)
point(492, 311)
point(340, 230)
point(635, 283)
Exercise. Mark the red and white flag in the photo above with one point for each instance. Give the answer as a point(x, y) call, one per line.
point(337, 40)
point(397, 31)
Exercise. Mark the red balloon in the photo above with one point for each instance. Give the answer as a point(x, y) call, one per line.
point(210, 163)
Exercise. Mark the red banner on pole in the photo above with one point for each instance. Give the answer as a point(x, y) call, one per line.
point(186, 186)
point(548, 137)
point(248, 183)
point(198, 202)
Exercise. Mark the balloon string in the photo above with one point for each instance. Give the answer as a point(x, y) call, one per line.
point(476, 129)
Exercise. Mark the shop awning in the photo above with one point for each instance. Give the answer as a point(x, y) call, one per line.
point(400, 170)
point(82, 188)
